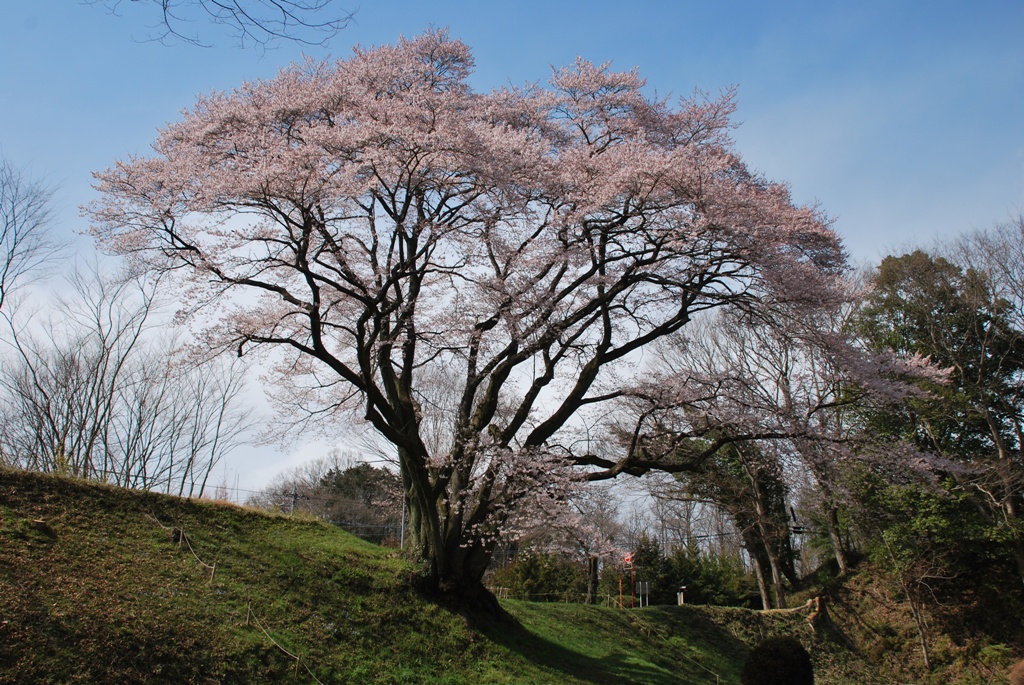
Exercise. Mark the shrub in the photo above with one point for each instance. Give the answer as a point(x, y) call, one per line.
point(778, 661)
point(543, 578)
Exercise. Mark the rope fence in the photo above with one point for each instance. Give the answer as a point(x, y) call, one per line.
point(178, 536)
point(608, 601)
point(298, 659)
point(554, 597)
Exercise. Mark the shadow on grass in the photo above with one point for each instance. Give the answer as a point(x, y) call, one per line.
point(664, 646)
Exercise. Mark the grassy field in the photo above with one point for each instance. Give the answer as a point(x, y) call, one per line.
point(101, 585)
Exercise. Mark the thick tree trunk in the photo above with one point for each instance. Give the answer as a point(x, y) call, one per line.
point(593, 579)
point(770, 547)
point(835, 536)
point(780, 593)
point(457, 565)
point(456, 578)
point(456, 559)
point(756, 551)
point(762, 585)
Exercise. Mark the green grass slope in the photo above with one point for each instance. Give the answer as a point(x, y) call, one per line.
point(101, 585)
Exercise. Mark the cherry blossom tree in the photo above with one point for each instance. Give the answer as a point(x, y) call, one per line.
point(793, 378)
point(375, 224)
point(748, 399)
point(744, 402)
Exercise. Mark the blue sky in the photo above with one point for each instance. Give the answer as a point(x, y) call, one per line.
point(904, 120)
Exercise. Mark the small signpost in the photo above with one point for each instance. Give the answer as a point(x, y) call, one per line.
point(643, 589)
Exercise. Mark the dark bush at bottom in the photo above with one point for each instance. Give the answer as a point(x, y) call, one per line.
point(778, 661)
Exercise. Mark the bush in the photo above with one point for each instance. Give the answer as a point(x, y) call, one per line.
point(543, 578)
point(778, 661)
point(709, 578)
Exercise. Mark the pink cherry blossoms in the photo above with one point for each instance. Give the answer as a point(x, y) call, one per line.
point(473, 274)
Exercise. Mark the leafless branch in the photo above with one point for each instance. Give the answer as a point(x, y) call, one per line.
point(258, 23)
point(25, 217)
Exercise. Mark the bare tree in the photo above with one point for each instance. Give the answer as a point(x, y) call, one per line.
point(301, 488)
point(60, 385)
point(258, 23)
point(917, 570)
point(89, 394)
point(999, 254)
point(363, 498)
point(25, 219)
point(175, 421)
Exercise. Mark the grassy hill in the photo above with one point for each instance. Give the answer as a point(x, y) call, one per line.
point(102, 585)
